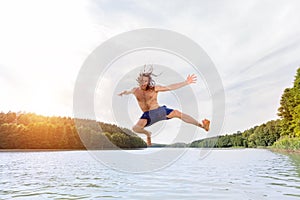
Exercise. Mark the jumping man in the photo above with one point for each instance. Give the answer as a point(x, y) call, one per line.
point(146, 95)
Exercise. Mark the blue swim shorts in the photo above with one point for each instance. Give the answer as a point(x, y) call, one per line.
point(156, 115)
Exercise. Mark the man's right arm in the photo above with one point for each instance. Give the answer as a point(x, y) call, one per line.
point(125, 92)
point(189, 80)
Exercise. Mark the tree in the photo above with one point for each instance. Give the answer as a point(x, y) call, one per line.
point(289, 109)
point(39, 132)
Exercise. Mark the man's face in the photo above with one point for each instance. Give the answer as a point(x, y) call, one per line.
point(144, 83)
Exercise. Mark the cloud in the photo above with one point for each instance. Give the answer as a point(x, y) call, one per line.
point(256, 89)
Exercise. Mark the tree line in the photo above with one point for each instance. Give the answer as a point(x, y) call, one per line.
point(32, 131)
point(258, 136)
point(283, 133)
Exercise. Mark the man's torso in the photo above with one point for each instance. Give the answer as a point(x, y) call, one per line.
point(147, 99)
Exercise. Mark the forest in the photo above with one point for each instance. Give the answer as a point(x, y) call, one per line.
point(258, 136)
point(283, 133)
point(32, 131)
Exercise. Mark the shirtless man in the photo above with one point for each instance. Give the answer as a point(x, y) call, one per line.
point(146, 95)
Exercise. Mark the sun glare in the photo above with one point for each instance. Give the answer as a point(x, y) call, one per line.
point(42, 103)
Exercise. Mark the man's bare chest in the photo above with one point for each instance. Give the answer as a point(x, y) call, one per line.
point(145, 95)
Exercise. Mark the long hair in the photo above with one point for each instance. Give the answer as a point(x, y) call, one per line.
point(147, 73)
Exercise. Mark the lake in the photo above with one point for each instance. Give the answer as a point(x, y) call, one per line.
point(254, 174)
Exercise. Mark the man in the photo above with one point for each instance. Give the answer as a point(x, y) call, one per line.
point(146, 95)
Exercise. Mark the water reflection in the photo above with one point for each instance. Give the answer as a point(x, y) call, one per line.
point(295, 161)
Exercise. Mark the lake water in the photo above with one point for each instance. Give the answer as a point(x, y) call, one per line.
point(222, 174)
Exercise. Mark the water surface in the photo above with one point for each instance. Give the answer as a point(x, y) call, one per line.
point(223, 174)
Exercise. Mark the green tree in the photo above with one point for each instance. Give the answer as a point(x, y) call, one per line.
point(289, 109)
point(33, 131)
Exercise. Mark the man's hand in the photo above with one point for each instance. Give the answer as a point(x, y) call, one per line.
point(191, 79)
point(127, 92)
point(120, 94)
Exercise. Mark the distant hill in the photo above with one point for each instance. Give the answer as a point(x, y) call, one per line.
point(31, 131)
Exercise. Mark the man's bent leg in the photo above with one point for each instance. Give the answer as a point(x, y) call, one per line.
point(139, 128)
point(188, 119)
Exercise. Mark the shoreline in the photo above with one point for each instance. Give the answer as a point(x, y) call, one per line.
point(229, 148)
point(285, 150)
point(52, 150)
point(38, 150)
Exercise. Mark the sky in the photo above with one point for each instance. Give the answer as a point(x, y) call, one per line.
point(254, 45)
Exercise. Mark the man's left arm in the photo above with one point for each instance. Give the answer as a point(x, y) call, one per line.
point(189, 80)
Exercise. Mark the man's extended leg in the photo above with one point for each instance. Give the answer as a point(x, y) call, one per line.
point(139, 128)
point(188, 119)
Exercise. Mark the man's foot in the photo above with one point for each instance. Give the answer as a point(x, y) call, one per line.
point(206, 124)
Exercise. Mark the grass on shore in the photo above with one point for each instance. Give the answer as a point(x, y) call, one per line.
point(287, 143)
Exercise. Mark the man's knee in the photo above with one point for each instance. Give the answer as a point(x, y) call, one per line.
point(137, 128)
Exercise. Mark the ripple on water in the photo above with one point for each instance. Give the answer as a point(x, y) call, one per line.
point(227, 174)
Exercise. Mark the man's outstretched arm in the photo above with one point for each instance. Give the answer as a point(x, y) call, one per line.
point(189, 80)
point(125, 92)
